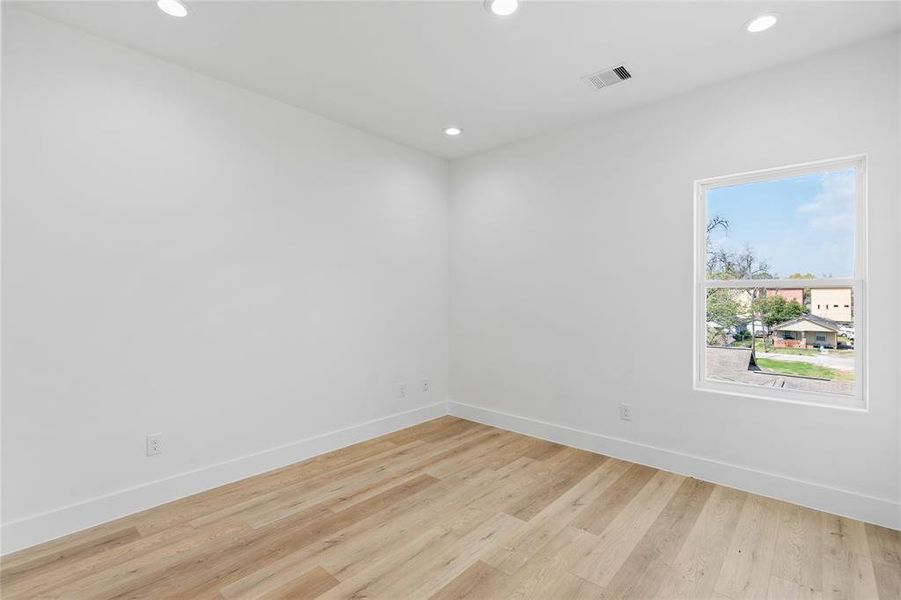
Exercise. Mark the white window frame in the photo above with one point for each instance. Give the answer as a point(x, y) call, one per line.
point(858, 399)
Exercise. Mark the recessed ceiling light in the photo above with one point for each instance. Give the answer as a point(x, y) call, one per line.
point(453, 131)
point(761, 23)
point(172, 7)
point(502, 8)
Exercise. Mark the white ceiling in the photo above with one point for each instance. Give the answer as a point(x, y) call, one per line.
point(405, 70)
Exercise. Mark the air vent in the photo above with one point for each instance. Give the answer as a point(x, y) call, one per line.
point(607, 77)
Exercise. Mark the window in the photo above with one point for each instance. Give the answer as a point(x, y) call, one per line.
point(780, 264)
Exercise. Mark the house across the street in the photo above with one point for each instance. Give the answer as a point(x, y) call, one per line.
point(808, 331)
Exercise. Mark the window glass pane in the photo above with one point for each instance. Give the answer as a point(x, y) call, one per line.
point(796, 227)
point(794, 346)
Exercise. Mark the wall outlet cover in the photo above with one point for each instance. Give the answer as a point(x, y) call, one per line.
point(154, 444)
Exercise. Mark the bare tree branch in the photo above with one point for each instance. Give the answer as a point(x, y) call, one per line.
point(717, 221)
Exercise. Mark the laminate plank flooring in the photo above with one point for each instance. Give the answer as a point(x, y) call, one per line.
point(454, 509)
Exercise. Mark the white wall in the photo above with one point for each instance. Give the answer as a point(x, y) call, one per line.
point(571, 253)
point(186, 257)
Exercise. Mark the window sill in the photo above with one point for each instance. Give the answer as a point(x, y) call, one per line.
point(818, 399)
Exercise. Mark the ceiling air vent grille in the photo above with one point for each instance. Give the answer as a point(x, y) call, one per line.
point(607, 77)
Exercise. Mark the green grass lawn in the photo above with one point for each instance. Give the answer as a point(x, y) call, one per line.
point(784, 367)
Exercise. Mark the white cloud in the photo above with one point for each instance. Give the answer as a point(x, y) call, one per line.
point(832, 209)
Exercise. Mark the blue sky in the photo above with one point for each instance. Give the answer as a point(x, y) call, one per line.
point(798, 225)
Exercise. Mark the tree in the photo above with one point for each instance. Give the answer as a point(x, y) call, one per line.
point(773, 310)
point(805, 291)
point(726, 264)
point(715, 222)
point(723, 264)
point(743, 265)
point(723, 315)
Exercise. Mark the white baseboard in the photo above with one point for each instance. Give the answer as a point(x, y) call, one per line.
point(880, 511)
point(42, 527)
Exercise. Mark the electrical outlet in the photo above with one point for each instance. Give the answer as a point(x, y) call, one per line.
point(625, 412)
point(425, 386)
point(402, 390)
point(154, 444)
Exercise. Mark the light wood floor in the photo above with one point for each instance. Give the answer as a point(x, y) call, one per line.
point(453, 509)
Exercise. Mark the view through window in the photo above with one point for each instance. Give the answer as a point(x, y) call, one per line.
point(780, 266)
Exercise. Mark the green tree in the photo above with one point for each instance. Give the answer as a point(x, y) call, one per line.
point(773, 310)
point(805, 291)
point(742, 265)
point(723, 313)
point(726, 264)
